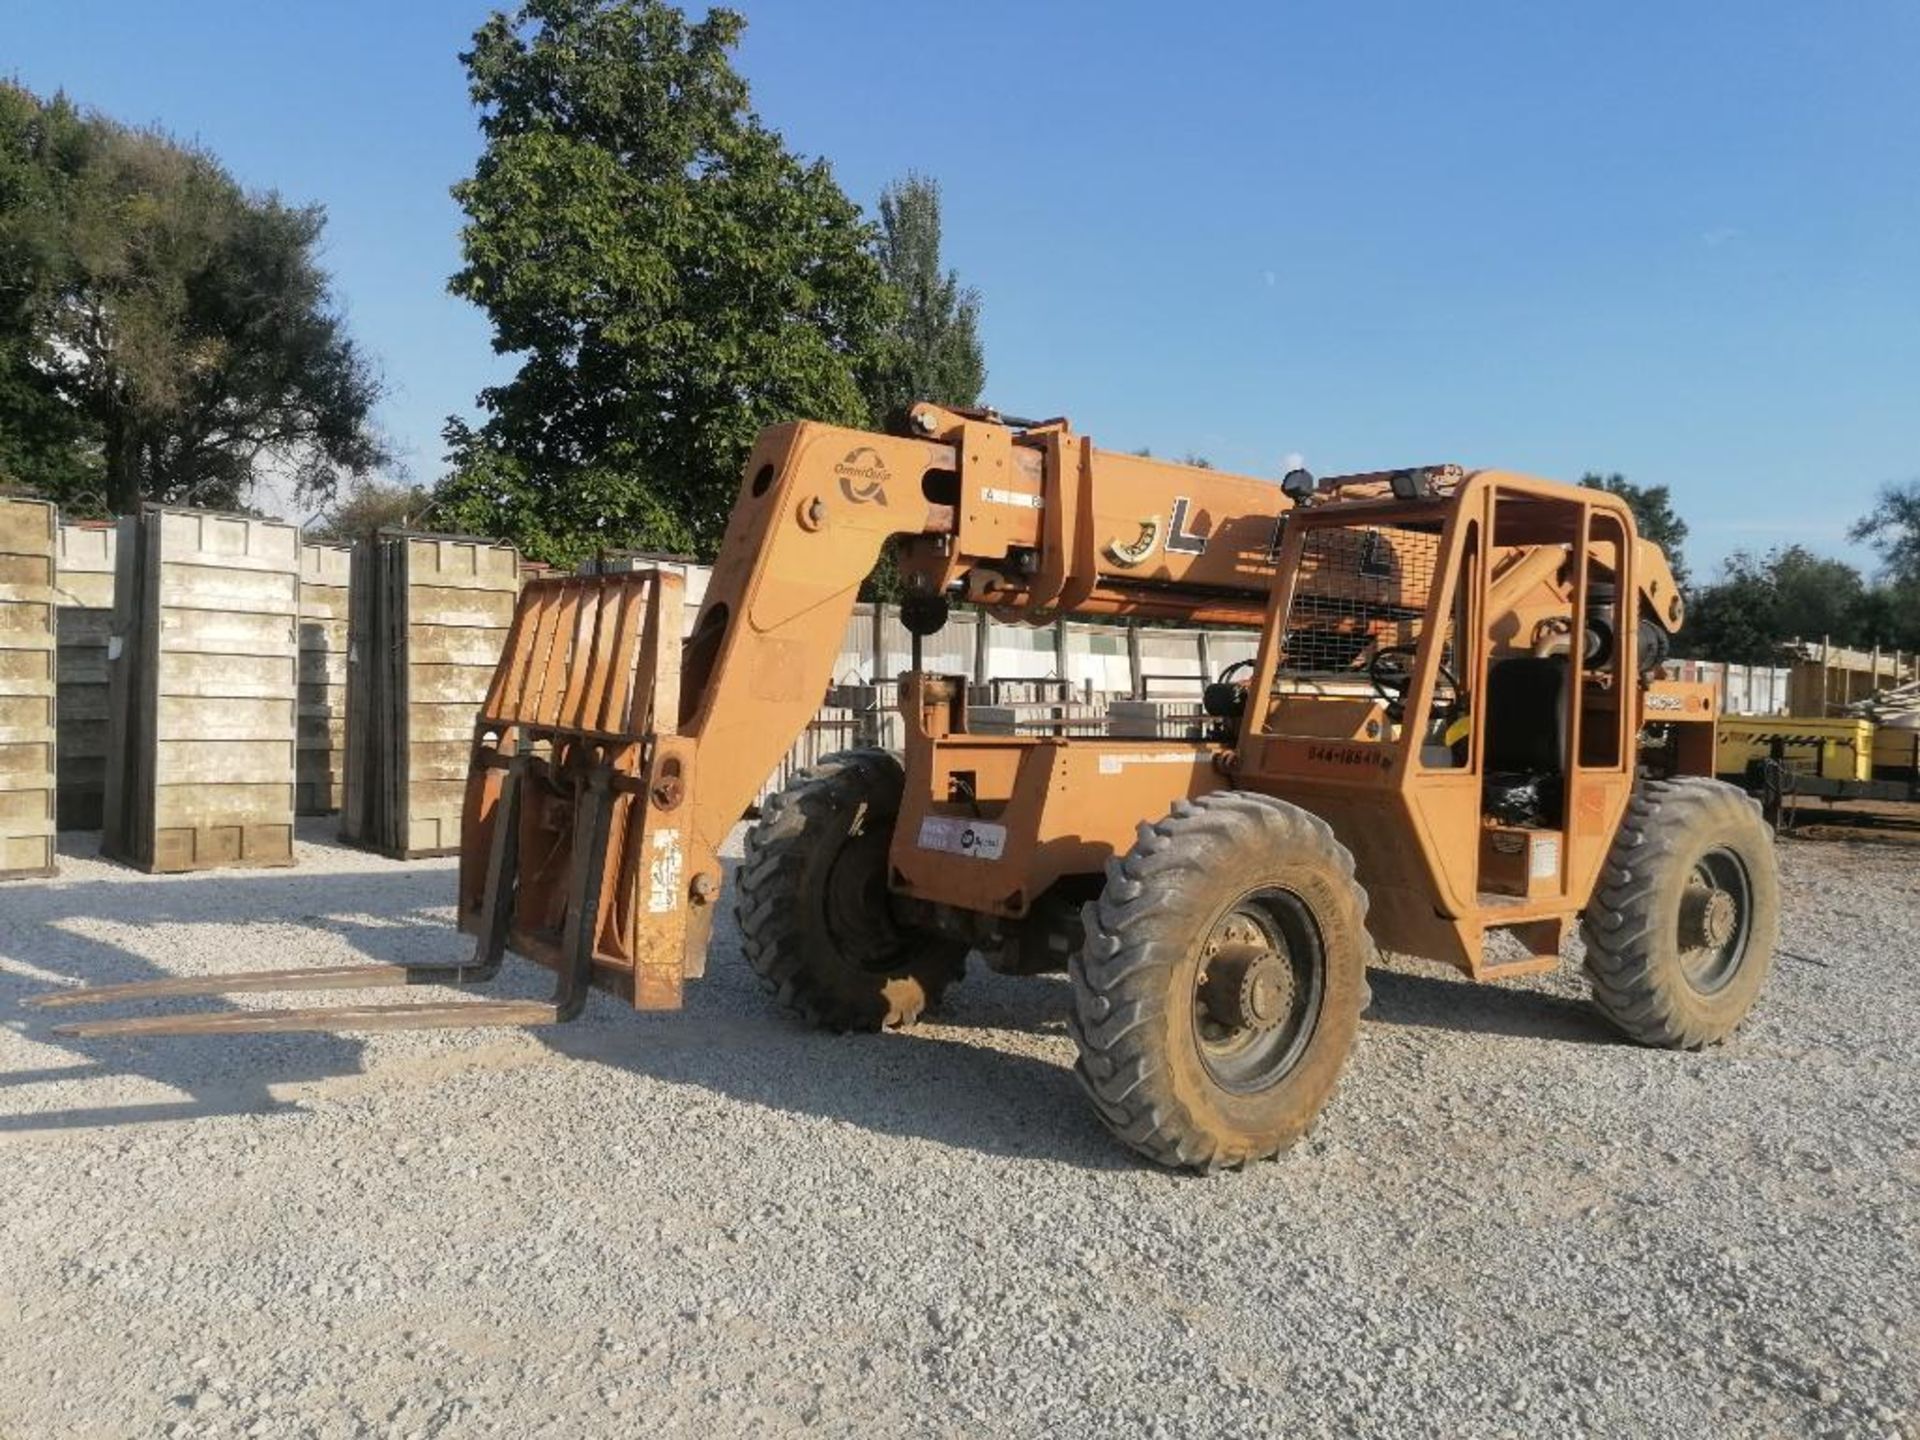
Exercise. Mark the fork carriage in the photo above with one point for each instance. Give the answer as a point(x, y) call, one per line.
point(570, 853)
point(573, 852)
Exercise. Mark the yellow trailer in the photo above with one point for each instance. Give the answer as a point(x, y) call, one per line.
point(1832, 749)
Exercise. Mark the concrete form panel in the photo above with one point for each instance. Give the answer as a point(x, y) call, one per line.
point(84, 593)
point(430, 616)
point(320, 763)
point(203, 677)
point(29, 545)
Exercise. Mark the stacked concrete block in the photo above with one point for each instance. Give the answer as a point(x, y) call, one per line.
point(1158, 720)
point(1038, 717)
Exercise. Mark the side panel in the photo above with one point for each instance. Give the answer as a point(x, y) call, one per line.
point(989, 823)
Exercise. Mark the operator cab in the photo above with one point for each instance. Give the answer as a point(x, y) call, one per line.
point(1455, 655)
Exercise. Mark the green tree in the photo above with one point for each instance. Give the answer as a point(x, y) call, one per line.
point(370, 505)
point(1892, 527)
point(1734, 619)
point(163, 334)
point(1887, 614)
point(672, 278)
point(931, 348)
point(1758, 605)
point(41, 436)
point(1653, 516)
point(1814, 595)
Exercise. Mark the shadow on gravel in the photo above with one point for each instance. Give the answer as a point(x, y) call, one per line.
point(943, 1081)
point(44, 925)
point(1484, 1009)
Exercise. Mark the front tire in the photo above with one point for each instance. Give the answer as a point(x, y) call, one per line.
point(812, 902)
point(1681, 930)
point(1220, 987)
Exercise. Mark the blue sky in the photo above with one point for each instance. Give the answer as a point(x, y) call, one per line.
point(1678, 241)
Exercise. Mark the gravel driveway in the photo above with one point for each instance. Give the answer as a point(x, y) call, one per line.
point(717, 1223)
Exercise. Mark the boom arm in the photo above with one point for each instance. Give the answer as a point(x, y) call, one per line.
point(1031, 524)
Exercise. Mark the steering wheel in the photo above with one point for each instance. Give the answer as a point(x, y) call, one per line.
point(1391, 671)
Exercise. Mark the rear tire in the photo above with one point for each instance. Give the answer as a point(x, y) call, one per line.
point(1681, 931)
point(1220, 987)
point(812, 903)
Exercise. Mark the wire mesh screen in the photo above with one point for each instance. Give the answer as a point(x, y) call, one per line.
point(1360, 590)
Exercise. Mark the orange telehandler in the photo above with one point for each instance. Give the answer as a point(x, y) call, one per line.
point(1453, 742)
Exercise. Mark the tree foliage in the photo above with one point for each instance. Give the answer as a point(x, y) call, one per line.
point(370, 505)
point(1653, 516)
point(163, 333)
point(671, 277)
point(1759, 605)
point(930, 350)
point(1892, 527)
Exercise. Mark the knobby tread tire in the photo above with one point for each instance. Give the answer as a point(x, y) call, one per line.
point(1631, 925)
point(1133, 979)
point(780, 900)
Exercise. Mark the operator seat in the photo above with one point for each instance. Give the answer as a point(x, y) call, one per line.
point(1526, 742)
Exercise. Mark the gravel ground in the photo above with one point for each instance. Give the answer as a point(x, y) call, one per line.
point(715, 1222)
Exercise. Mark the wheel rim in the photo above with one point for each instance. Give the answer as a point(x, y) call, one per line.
point(1257, 991)
point(1716, 919)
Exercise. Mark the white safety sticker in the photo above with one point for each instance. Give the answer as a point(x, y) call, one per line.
point(975, 839)
point(1111, 764)
point(1544, 863)
point(1019, 499)
point(663, 873)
